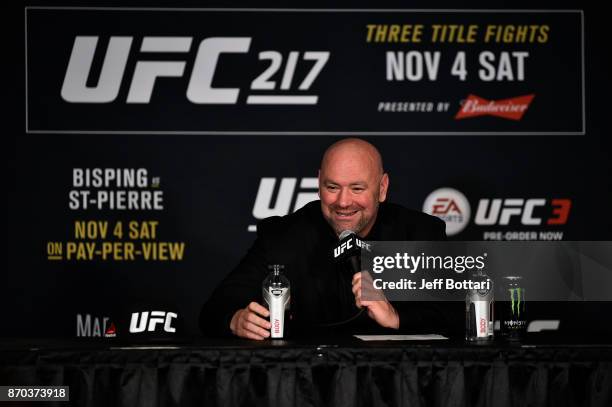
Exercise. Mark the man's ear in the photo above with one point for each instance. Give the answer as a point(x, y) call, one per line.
point(384, 187)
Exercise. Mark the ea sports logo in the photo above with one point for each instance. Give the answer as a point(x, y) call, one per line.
point(451, 206)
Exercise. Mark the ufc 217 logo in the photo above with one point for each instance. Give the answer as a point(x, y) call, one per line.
point(143, 321)
point(208, 59)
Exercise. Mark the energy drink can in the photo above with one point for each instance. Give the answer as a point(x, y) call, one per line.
point(513, 322)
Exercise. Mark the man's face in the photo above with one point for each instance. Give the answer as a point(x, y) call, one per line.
point(351, 187)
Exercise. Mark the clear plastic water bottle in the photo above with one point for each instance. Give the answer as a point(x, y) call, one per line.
point(276, 292)
point(479, 318)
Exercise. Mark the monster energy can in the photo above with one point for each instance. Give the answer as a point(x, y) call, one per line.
point(513, 316)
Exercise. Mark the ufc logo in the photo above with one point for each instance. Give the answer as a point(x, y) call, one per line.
point(141, 321)
point(200, 89)
point(264, 207)
point(343, 247)
point(500, 211)
point(348, 244)
point(443, 206)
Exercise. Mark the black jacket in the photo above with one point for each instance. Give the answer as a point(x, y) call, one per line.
point(321, 297)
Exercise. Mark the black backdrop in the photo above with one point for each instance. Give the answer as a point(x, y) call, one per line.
point(210, 181)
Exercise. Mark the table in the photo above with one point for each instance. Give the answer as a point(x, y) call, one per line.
point(338, 372)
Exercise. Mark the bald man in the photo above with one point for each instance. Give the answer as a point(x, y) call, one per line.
point(352, 183)
point(324, 297)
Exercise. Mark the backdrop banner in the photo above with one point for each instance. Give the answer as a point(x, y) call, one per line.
point(151, 141)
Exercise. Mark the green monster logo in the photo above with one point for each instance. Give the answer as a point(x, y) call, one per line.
point(517, 296)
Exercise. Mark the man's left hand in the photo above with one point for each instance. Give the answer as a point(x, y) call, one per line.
point(379, 310)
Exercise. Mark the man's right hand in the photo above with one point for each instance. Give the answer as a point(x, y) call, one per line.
point(248, 322)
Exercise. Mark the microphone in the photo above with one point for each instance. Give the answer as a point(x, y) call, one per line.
point(348, 253)
point(348, 250)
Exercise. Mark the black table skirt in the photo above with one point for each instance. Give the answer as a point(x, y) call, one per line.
point(390, 375)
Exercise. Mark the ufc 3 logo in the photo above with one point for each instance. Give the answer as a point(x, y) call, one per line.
point(500, 211)
point(142, 321)
point(200, 89)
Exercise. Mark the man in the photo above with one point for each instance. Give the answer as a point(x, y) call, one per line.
point(324, 297)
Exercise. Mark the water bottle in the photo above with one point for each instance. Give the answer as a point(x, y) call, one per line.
point(276, 295)
point(479, 320)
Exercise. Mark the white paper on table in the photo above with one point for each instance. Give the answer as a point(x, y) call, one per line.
point(428, 337)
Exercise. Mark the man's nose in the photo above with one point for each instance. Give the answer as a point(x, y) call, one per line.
point(344, 198)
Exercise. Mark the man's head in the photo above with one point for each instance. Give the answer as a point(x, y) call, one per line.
point(352, 183)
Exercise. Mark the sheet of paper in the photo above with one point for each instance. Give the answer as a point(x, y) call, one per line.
point(143, 347)
point(428, 337)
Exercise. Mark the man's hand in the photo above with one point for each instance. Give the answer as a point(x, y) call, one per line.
point(380, 310)
point(248, 322)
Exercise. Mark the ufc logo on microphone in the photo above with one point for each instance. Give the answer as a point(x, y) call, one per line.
point(343, 247)
point(350, 243)
point(142, 321)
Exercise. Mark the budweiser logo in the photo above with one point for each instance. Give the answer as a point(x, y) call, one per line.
point(512, 109)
